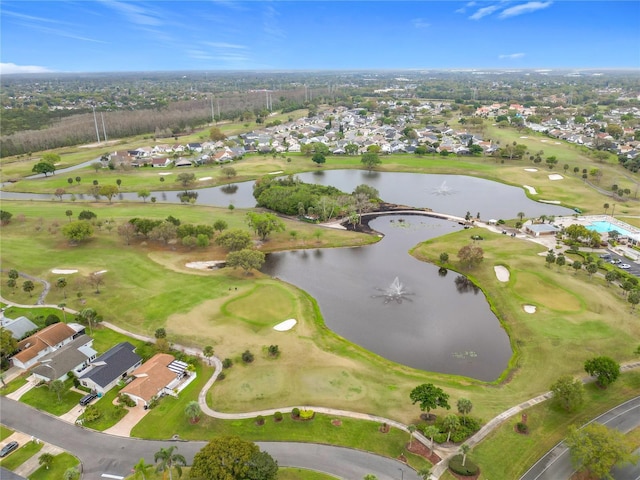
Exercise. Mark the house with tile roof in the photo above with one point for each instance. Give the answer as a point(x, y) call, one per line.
point(36, 346)
point(108, 369)
point(161, 375)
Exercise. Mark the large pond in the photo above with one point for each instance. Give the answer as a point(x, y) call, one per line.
point(453, 194)
point(437, 323)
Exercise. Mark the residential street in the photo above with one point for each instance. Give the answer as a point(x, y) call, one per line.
point(101, 453)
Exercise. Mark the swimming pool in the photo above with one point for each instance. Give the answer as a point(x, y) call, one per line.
point(606, 227)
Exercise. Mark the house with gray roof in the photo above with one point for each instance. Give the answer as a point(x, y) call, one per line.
point(18, 327)
point(74, 356)
point(108, 369)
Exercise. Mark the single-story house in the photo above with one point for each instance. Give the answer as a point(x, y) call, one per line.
point(36, 346)
point(537, 229)
point(161, 375)
point(18, 327)
point(109, 368)
point(74, 356)
point(183, 162)
point(161, 162)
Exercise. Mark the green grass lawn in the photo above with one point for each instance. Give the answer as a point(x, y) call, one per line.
point(110, 413)
point(60, 464)
point(14, 385)
point(302, 474)
point(5, 432)
point(21, 455)
point(36, 315)
point(43, 398)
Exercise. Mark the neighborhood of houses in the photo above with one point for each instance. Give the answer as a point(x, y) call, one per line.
point(62, 349)
point(353, 131)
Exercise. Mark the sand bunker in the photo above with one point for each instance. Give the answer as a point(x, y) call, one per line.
point(205, 265)
point(100, 272)
point(544, 141)
point(530, 308)
point(502, 274)
point(524, 137)
point(275, 173)
point(204, 179)
point(555, 176)
point(554, 202)
point(165, 173)
point(62, 271)
point(557, 143)
point(286, 325)
point(532, 190)
point(530, 169)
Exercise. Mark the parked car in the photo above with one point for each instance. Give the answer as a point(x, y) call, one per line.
point(624, 266)
point(605, 256)
point(8, 448)
point(616, 260)
point(87, 399)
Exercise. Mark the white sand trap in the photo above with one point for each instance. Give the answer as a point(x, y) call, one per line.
point(544, 141)
point(204, 179)
point(205, 265)
point(532, 190)
point(554, 202)
point(557, 143)
point(165, 173)
point(276, 173)
point(286, 325)
point(502, 273)
point(524, 137)
point(530, 308)
point(555, 176)
point(63, 271)
point(100, 272)
point(530, 169)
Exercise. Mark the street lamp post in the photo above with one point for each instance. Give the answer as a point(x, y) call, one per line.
point(401, 473)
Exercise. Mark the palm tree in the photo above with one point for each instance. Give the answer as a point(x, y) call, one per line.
point(425, 473)
point(141, 468)
point(450, 423)
point(521, 215)
point(166, 460)
point(430, 432)
point(208, 353)
point(45, 459)
point(411, 428)
point(88, 315)
point(464, 449)
point(193, 411)
point(61, 283)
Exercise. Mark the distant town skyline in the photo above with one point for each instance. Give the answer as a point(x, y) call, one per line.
point(121, 36)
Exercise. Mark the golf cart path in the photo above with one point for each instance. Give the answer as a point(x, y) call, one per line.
point(445, 452)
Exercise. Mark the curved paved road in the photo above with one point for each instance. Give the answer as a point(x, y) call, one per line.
point(101, 453)
point(556, 464)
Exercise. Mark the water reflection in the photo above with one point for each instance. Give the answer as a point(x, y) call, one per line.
point(428, 332)
point(229, 189)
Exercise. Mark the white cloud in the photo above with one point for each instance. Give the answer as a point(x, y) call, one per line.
point(420, 23)
point(464, 9)
point(511, 56)
point(8, 68)
point(225, 45)
point(524, 8)
point(484, 11)
point(271, 25)
point(135, 13)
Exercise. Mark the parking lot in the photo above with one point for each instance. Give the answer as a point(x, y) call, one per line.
point(633, 269)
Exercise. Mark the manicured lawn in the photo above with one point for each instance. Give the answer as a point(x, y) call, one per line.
point(5, 432)
point(60, 465)
point(36, 315)
point(547, 426)
point(301, 474)
point(14, 384)
point(18, 457)
point(43, 398)
point(111, 414)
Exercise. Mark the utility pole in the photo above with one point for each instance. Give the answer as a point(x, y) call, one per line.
point(104, 129)
point(95, 120)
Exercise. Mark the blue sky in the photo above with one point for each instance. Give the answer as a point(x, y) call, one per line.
point(118, 35)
